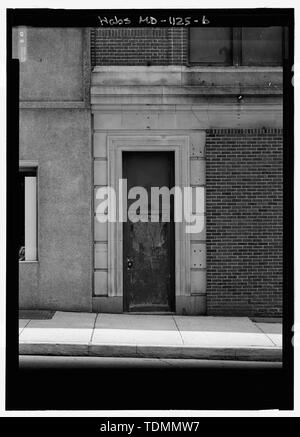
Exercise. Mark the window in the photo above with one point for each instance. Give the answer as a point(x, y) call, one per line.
point(27, 214)
point(211, 46)
point(262, 46)
point(252, 46)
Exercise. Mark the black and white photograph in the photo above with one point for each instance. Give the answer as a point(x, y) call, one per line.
point(149, 210)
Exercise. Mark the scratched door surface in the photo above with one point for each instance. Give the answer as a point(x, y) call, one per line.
point(148, 246)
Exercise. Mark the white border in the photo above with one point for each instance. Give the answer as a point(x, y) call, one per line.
point(134, 4)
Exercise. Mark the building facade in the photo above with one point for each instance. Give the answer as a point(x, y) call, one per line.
point(187, 107)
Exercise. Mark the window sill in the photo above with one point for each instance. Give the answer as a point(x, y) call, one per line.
point(28, 262)
point(207, 68)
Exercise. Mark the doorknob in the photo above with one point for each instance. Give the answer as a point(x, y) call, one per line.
point(129, 263)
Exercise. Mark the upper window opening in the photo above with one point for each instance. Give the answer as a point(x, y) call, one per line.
point(252, 46)
point(262, 46)
point(211, 46)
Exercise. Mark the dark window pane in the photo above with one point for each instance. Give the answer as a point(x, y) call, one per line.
point(21, 216)
point(262, 46)
point(211, 46)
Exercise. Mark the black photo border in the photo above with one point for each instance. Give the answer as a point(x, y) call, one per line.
point(148, 389)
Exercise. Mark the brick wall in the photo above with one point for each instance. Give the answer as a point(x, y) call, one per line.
point(139, 46)
point(244, 222)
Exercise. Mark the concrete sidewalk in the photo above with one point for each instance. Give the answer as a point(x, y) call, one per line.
point(151, 336)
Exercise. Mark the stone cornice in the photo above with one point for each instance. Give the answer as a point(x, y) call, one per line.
point(182, 98)
point(176, 85)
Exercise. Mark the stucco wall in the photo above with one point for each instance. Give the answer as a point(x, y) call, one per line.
point(55, 132)
point(58, 141)
point(52, 67)
point(28, 284)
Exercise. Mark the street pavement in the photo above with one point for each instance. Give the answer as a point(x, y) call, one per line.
point(151, 337)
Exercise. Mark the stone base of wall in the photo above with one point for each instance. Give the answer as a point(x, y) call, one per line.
point(191, 305)
point(105, 304)
point(185, 305)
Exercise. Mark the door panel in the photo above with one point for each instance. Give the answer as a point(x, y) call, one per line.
point(148, 247)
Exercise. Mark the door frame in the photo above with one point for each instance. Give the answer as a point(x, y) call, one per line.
point(116, 144)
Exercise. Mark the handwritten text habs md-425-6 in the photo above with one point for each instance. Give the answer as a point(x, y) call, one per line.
point(152, 21)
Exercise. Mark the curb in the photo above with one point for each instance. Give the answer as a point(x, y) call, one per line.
point(140, 351)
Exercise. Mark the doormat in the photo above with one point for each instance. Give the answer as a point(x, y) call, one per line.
point(36, 314)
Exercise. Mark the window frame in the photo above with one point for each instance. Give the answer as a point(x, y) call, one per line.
point(237, 56)
point(24, 166)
